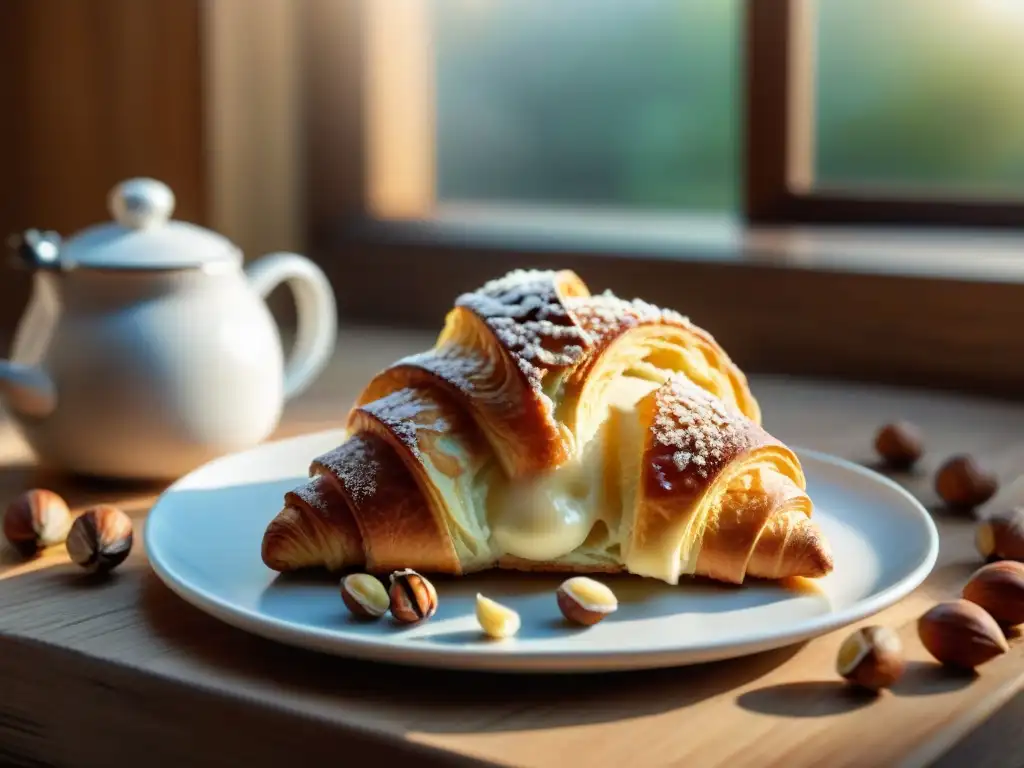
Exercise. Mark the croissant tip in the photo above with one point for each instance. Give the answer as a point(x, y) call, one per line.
point(274, 550)
point(818, 560)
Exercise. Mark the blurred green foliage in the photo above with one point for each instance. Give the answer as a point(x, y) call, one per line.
point(639, 103)
point(921, 94)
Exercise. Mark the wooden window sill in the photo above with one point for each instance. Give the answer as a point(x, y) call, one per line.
point(968, 254)
point(942, 309)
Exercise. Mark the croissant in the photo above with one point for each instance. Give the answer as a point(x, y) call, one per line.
point(552, 430)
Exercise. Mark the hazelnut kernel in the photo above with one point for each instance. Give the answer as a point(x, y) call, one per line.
point(365, 596)
point(496, 620)
point(585, 601)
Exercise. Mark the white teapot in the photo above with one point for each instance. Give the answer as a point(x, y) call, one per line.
point(147, 348)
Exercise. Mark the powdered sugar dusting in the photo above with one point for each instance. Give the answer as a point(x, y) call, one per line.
point(543, 333)
point(320, 495)
point(606, 316)
point(697, 431)
point(460, 366)
point(406, 412)
point(528, 317)
point(355, 464)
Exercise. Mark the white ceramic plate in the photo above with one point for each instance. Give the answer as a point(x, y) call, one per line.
point(203, 540)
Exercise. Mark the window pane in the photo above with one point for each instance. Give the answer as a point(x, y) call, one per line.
point(588, 101)
point(921, 94)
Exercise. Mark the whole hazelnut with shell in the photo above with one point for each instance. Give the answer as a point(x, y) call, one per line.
point(899, 444)
point(1001, 537)
point(961, 634)
point(999, 589)
point(963, 483)
point(100, 539)
point(872, 657)
point(36, 519)
point(413, 598)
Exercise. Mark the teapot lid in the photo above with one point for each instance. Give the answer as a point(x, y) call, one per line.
point(143, 235)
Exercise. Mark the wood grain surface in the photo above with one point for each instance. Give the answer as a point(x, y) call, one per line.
point(117, 669)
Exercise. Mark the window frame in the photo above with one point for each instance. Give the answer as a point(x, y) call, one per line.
point(779, 142)
point(377, 103)
point(393, 262)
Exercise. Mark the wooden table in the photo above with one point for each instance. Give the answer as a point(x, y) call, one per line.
point(93, 673)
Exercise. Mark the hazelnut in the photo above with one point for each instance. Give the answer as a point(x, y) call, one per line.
point(413, 598)
point(496, 620)
point(585, 601)
point(962, 483)
point(872, 657)
point(1001, 537)
point(999, 589)
point(365, 596)
point(899, 444)
point(100, 539)
point(961, 634)
point(36, 519)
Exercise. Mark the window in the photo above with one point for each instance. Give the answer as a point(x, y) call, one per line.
point(451, 140)
point(919, 97)
point(588, 102)
point(783, 110)
point(885, 112)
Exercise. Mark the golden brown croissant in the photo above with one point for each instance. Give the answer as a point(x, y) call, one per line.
point(553, 430)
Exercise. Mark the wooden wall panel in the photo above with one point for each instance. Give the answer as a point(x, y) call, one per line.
point(94, 91)
point(253, 99)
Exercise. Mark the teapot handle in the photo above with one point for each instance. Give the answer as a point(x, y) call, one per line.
point(315, 308)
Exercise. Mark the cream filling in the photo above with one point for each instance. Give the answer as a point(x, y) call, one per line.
point(547, 517)
point(553, 517)
point(458, 486)
point(630, 438)
point(550, 516)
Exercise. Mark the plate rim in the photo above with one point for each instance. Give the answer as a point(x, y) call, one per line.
point(509, 659)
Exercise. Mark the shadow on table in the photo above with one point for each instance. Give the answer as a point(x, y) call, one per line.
point(8, 556)
point(474, 700)
point(924, 678)
point(820, 698)
point(902, 476)
point(813, 698)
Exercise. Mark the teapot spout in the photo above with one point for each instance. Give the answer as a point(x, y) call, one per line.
point(26, 390)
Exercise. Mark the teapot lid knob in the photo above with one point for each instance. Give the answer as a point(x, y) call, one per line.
point(141, 203)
